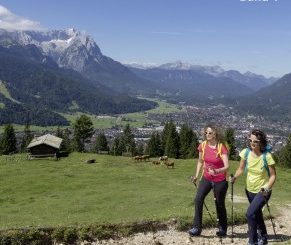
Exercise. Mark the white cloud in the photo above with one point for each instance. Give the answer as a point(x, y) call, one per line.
point(10, 21)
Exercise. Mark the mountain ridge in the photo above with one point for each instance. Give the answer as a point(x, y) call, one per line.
point(72, 49)
point(273, 101)
point(251, 80)
point(32, 81)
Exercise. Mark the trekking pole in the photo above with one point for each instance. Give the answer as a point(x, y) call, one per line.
point(268, 207)
point(232, 220)
point(205, 204)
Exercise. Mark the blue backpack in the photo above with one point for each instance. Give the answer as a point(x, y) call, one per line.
point(265, 163)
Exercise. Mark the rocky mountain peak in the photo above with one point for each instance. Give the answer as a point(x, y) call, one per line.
point(68, 48)
point(178, 65)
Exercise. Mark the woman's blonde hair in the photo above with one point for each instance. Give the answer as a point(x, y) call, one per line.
point(219, 134)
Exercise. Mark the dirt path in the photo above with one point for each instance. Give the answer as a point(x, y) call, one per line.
point(171, 236)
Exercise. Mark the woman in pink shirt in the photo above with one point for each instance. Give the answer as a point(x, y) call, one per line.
point(213, 159)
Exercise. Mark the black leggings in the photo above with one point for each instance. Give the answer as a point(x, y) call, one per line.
point(220, 189)
point(255, 215)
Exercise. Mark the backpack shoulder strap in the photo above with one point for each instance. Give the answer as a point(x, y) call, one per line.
point(203, 144)
point(266, 163)
point(219, 151)
point(247, 152)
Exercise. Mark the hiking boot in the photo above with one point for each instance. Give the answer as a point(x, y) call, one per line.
point(194, 232)
point(263, 240)
point(221, 232)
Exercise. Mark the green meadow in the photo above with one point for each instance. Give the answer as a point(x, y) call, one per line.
point(137, 119)
point(69, 192)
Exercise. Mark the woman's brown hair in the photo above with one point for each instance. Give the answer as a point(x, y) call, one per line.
point(219, 134)
point(261, 136)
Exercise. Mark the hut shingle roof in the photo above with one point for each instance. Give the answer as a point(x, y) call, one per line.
point(47, 139)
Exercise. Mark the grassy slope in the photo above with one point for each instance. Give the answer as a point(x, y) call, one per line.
point(5, 92)
point(44, 193)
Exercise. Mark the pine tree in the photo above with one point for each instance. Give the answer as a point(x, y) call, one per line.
point(101, 143)
point(151, 145)
point(186, 137)
point(118, 146)
point(128, 140)
point(140, 149)
point(59, 132)
point(66, 143)
point(76, 144)
point(83, 129)
point(194, 153)
point(154, 147)
point(164, 137)
point(27, 137)
point(114, 146)
point(159, 149)
point(230, 140)
point(8, 140)
point(172, 143)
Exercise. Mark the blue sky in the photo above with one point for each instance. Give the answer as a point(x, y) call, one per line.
point(245, 35)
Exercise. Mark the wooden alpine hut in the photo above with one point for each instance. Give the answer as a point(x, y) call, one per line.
point(44, 146)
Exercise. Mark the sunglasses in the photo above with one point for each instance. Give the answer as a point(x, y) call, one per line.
point(210, 133)
point(254, 141)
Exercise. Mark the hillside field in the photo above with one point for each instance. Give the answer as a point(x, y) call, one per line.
point(47, 193)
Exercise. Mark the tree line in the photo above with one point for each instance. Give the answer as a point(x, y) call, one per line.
point(169, 142)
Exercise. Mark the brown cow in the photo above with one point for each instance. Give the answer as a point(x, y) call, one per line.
point(169, 164)
point(156, 162)
point(145, 157)
point(137, 158)
point(163, 158)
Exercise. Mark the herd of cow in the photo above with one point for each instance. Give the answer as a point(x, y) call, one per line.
point(141, 158)
point(162, 160)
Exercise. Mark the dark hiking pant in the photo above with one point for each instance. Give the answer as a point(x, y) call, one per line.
point(255, 215)
point(220, 189)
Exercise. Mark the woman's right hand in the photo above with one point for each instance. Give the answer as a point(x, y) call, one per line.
point(232, 179)
point(193, 179)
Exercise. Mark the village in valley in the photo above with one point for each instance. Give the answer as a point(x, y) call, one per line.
point(194, 116)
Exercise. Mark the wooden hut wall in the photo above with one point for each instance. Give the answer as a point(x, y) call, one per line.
point(43, 150)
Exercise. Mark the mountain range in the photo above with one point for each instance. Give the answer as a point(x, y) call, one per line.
point(71, 49)
point(65, 70)
point(273, 101)
point(253, 81)
point(30, 78)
